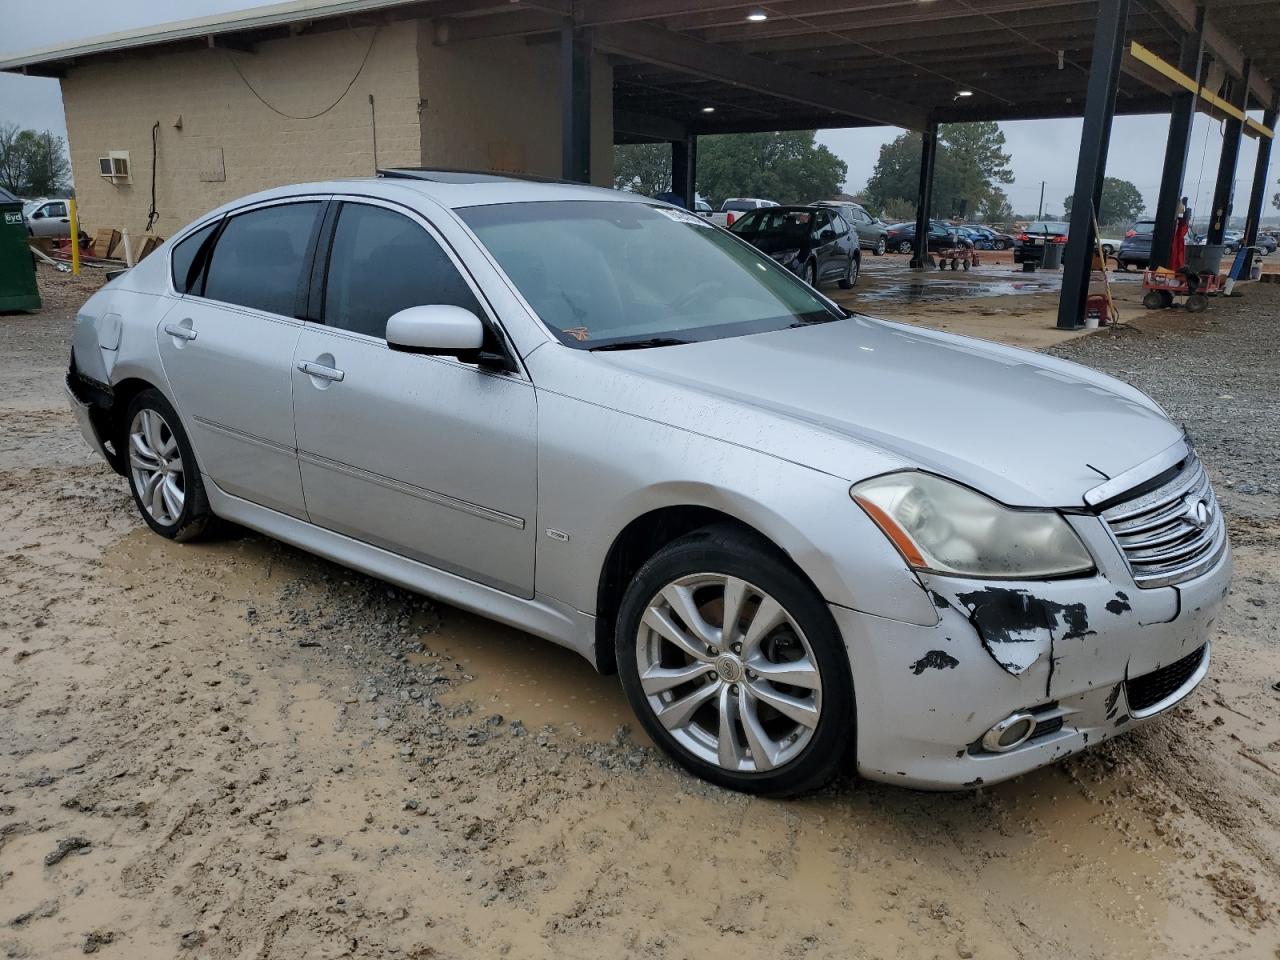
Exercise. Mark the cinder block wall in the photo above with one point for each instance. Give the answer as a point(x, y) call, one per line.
point(495, 105)
point(111, 105)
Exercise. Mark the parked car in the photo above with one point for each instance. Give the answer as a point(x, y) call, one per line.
point(1037, 234)
point(994, 239)
point(814, 243)
point(873, 234)
point(605, 421)
point(49, 219)
point(734, 207)
point(1135, 249)
point(902, 236)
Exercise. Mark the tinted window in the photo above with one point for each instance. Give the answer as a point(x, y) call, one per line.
point(737, 206)
point(55, 209)
point(838, 224)
point(184, 256)
point(383, 262)
point(259, 258)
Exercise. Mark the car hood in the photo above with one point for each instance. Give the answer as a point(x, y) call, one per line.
point(1027, 429)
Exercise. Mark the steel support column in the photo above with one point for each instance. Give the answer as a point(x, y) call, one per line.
point(924, 195)
point(1190, 62)
point(684, 170)
point(1261, 174)
point(575, 102)
point(1225, 189)
point(1095, 138)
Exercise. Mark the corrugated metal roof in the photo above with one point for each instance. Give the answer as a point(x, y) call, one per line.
point(275, 15)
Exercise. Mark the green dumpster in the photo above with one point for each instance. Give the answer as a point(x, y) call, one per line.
point(18, 289)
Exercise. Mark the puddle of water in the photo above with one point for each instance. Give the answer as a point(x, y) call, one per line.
point(929, 291)
point(528, 679)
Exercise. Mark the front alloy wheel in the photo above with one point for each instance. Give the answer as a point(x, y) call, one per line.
point(728, 672)
point(734, 664)
point(881, 246)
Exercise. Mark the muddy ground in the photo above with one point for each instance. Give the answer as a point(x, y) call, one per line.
point(235, 750)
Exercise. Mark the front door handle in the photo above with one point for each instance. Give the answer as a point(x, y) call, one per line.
point(179, 331)
point(320, 371)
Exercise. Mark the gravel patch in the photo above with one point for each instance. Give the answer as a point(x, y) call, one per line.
point(1217, 374)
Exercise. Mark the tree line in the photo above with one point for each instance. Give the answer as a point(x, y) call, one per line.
point(972, 167)
point(32, 163)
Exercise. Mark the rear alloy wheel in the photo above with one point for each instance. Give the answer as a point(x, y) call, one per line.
point(906, 246)
point(998, 244)
point(162, 470)
point(734, 665)
point(810, 275)
point(850, 277)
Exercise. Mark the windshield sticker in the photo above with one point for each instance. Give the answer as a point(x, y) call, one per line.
point(578, 333)
point(682, 216)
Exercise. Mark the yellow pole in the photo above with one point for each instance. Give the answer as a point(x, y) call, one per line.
point(75, 237)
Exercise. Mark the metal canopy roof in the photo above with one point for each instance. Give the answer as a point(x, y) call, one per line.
point(808, 64)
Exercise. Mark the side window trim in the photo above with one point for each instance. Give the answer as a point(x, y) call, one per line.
point(324, 252)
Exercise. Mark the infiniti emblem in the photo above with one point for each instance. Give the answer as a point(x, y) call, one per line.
point(1196, 513)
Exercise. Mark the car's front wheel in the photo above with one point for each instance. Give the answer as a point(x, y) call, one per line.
point(881, 246)
point(998, 244)
point(162, 469)
point(735, 666)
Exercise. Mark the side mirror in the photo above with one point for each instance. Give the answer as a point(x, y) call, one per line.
point(438, 330)
point(38, 215)
point(826, 236)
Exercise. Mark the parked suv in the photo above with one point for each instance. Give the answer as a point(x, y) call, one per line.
point(734, 207)
point(1135, 248)
point(799, 536)
point(873, 234)
point(50, 219)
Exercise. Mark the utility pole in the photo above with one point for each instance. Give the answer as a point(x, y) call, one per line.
point(1040, 215)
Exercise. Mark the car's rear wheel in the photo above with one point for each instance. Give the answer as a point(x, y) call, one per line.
point(906, 246)
point(162, 470)
point(733, 664)
point(881, 246)
point(810, 275)
point(997, 244)
point(850, 277)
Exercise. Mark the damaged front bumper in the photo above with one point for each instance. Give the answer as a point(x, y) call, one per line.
point(1089, 657)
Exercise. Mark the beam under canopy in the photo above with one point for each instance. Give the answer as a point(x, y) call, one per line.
point(678, 52)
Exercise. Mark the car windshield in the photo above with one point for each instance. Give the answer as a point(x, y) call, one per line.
point(1144, 227)
point(617, 273)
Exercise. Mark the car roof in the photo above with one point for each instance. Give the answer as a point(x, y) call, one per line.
point(450, 188)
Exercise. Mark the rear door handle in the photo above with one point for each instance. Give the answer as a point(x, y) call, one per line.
point(320, 371)
point(179, 331)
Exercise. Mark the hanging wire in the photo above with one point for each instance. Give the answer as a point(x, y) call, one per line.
point(1203, 153)
point(152, 214)
point(309, 116)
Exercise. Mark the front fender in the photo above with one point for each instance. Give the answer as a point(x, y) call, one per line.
point(599, 469)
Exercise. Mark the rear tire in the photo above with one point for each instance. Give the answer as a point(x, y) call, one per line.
point(162, 471)
point(682, 592)
point(810, 275)
point(906, 247)
point(850, 278)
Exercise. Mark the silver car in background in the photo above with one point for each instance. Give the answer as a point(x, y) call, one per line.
point(800, 537)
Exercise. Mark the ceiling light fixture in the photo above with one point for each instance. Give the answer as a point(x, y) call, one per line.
point(964, 93)
point(708, 109)
point(757, 16)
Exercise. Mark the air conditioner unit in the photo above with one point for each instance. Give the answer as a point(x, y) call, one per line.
point(115, 167)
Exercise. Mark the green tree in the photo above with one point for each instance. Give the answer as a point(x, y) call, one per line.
point(642, 167)
point(971, 164)
point(996, 208)
point(1121, 202)
point(32, 163)
point(787, 167)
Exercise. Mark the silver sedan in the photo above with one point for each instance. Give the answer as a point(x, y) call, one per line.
point(802, 538)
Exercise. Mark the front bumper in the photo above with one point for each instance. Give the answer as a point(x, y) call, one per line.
point(927, 694)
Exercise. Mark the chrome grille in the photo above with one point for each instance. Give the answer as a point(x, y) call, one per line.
point(1171, 533)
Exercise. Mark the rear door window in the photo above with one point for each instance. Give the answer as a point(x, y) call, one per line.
point(260, 257)
point(382, 262)
point(185, 278)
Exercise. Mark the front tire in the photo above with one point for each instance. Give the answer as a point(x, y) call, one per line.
point(764, 705)
point(162, 471)
point(881, 246)
point(997, 245)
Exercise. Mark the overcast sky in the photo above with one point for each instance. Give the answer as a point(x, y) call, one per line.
point(1041, 149)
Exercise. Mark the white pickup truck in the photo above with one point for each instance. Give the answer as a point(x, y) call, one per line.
point(735, 206)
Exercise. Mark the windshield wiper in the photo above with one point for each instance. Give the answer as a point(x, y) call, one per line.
point(640, 344)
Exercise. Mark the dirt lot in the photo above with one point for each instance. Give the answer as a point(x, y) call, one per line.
point(235, 750)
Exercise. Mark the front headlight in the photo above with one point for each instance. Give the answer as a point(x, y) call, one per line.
point(946, 528)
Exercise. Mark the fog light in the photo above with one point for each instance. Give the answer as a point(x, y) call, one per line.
point(1009, 733)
